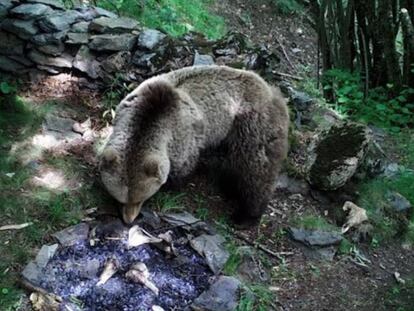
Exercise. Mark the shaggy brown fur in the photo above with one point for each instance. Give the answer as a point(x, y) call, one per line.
point(162, 127)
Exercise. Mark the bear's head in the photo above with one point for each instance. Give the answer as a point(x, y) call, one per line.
point(133, 181)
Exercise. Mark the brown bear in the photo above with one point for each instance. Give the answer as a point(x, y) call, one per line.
point(163, 126)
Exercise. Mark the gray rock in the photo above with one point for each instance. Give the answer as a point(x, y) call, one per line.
point(398, 202)
point(52, 49)
point(45, 254)
point(77, 38)
point(315, 237)
point(113, 25)
point(301, 100)
point(80, 27)
point(53, 71)
point(63, 61)
point(337, 155)
point(56, 4)
point(87, 63)
point(59, 21)
point(90, 13)
point(48, 38)
point(30, 11)
point(10, 44)
point(32, 272)
point(179, 219)
point(150, 38)
point(392, 169)
point(22, 29)
point(9, 65)
point(58, 124)
point(71, 235)
point(203, 59)
point(223, 295)
point(212, 249)
point(116, 62)
point(108, 42)
point(5, 6)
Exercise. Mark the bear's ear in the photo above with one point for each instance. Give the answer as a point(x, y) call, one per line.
point(110, 155)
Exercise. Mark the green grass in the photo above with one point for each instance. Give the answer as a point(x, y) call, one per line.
point(175, 17)
point(256, 297)
point(21, 201)
point(168, 201)
point(400, 297)
point(389, 224)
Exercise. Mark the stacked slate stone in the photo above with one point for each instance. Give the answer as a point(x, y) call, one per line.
point(42, 34)
point(97, 44)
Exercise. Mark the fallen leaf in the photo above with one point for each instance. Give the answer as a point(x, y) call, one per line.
point(15, 227)
point(356, 216)
point(138, 236)
point(398, 278)
point(111, 267)
point(139, 274)
point(44, 302)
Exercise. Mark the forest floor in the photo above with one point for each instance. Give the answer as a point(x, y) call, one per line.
point(358, 278)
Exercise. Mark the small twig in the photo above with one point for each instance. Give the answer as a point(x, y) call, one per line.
point(33, 288)
point(15, 227)
point(284, 53)
point(282, 74)
point(238, 235)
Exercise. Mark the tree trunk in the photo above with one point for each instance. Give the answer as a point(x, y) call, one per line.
point(408, 34)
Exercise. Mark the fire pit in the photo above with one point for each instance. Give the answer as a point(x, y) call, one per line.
point(163, 263)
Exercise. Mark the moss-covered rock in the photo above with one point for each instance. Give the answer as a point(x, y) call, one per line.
point(337, 155)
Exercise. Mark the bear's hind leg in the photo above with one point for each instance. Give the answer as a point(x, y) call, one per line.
point(256, 151)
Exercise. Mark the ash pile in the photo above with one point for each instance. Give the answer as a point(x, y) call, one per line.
point(163, 262)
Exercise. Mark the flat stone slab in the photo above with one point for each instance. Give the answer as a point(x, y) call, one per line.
point(59, 21)
point(113, 25)
point(56, 4)
point(87, 63)
point(315, 237)
point(398, 202)
point(109, 42)
point(77, 38)
point(30, 11)
point(5, 6)
point(223, 295)
point(45, 254)
point(22, 29)
point(48, 38)
point(71, 235)
point(150, 38)
point(203, 59)
point(211, 247)
point(80, 27)
point(52, 49)
point(63, 61)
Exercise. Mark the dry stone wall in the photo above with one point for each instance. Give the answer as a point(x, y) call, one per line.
point(42, 35)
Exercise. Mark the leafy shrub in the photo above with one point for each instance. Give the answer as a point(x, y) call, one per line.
point(175, 17)
point(379, 107)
